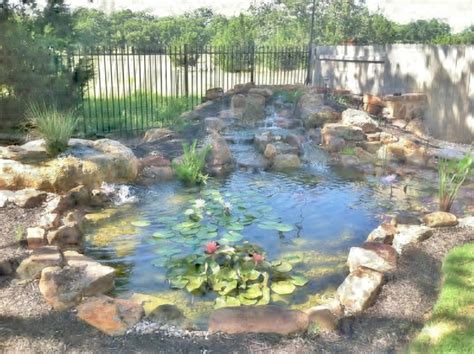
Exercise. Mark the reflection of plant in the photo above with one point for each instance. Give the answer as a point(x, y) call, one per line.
point(452, 174)
point(239, 275)
point(55, 127)
point(190, 168)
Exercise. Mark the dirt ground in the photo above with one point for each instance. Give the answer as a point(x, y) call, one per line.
point(28, 325)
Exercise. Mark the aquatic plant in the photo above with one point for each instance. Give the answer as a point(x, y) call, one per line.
point(52, 125)
point(452, 174)
point(239, 275)
point(190, 169)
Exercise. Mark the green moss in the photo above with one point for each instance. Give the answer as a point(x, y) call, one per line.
point(451, 328)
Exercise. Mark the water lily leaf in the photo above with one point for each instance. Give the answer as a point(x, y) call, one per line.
point(235, 227)
point(167, 251)
point(265, 300)
point(163, 234)
point(206, 235)
point(253, 274)
point(253, 292)
point(293, 258)
point(228, 287)
point(273, 225)
point(283, 287)
point(279, 298)
point(179, 282)
point(140, 223)
point(247, 302)
point(168, 219)
point(226, 301)
point(188, 232)
point(195, 283)
point(299, 280)
point(282, 267)
point(231, 237)
point(188, 212)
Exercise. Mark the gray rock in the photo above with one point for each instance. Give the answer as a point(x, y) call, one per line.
point(408, 234)
point(360, 119)
point(254, 108)
point(286, 162)
point(28, 198)
point(375, 256)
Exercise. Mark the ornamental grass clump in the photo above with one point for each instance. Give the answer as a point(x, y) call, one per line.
point(452, 174)
point(190, 169)
point(52, 125)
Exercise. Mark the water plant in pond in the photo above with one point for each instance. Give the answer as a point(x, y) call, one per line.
point(190, 169)
point(52, 125)
point(452, 174)
point(239, 275)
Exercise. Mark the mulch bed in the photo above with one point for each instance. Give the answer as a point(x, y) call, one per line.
point(27, 323)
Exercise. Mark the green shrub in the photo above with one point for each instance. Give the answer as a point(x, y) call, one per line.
point(452, 174)
point(190, 169)
point(55, 127)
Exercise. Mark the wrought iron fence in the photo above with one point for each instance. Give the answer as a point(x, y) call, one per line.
point(126, 89)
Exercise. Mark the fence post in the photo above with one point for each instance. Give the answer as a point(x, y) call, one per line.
point(186, 82)
point(252, 64)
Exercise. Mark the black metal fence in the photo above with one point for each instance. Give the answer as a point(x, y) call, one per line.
point(127, 89)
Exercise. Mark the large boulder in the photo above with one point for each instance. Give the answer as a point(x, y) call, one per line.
point(359, 290)
point(237, 105)
point(308, 104)
point(343, 131)
point(254, 109)
point(440, 219)
point(111, 316)
point(41, 258)
point(360, 119)
point(286, 162)
point(383, 233)
point(320, 116)
point(372, 255)
point(88, 163)
point(408, 234)
point(408, 151)
point(258, 319)
point(28, 198)
point(66, 236)
point(263, 91)
point(219, 161)
point(214, 124)
point(65, 287)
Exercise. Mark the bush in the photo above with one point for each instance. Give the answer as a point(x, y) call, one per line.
point(452, 175)
point(55, 127)
point(190, 169)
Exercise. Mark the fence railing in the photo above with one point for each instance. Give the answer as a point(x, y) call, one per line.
point(127, 89)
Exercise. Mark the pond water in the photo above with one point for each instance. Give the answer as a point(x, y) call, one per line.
point(308, 218)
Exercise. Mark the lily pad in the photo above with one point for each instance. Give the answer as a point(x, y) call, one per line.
point(226, 301)
point(231, 237)
point(282, 267)
point(163, 234)
point(247, 302)
point(140, 223)
point(265, 299)
point(195, 283)
point(283, 287)
point(273, 225)
point(299, 280)
point(178, 282)
point(167, 251)
point(253, 292)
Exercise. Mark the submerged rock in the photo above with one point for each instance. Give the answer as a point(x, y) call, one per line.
point(286, 162)
point(258, 319)
point(440, 219)
point(111, 316)
point(359, 289)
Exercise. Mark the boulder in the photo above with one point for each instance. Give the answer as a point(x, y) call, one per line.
point(383, 233)
point(42, 257)
point(261, 140)
point(440, 219)
point(6, 267)
point(65, 287)
point(66, 236)
point(263, 91)
point(5, 196)
point(323, 318)
point(214, 124)
point(320, 116)
point(286, 162)
point(258, 319)
point(214, 93)
point(170, 315)
point(408, 152)
point(36, 237)
point(28, 198)
point(405, 219)
point(219, 161)
point(254, 109)
point(237, 105)
point(88, 163)
point(156, 173)
point(360, 119)
point(308, 104)
point(270, 151)
point(156, 134)
point(410, 234)
point(346, 132)
point(373, 255)
point(359, 290)
point(111, 316)
point(333, 143)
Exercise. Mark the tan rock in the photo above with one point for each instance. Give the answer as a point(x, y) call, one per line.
point(214, 124)
point(408, 234)
point(383, 233)
point(375, 256)
point(263, 91)
point(42, 257)
point(254, 109)
point(5, 195)
point(219, 161)
point(359, 290)
point(237, 105)
point(108, 315)
point(324, 319)
point(156, 134)
point(214, 93)
point(308, 104)
point(36, 237)
point(346, 132)
point(270, 151)
point(66, 236)
point(440, 219)
point(258, 319)
point(360, 119)
point(28, 198)
point(286, 162)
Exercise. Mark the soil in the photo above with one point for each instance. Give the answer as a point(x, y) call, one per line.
point(27, 323)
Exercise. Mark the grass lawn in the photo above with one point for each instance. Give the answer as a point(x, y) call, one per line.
point(451, 328)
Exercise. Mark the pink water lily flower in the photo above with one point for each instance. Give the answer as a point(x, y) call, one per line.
point(211, 247)
point(258, 258)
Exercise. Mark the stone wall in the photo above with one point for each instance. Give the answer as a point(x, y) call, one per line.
point(444, 73)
